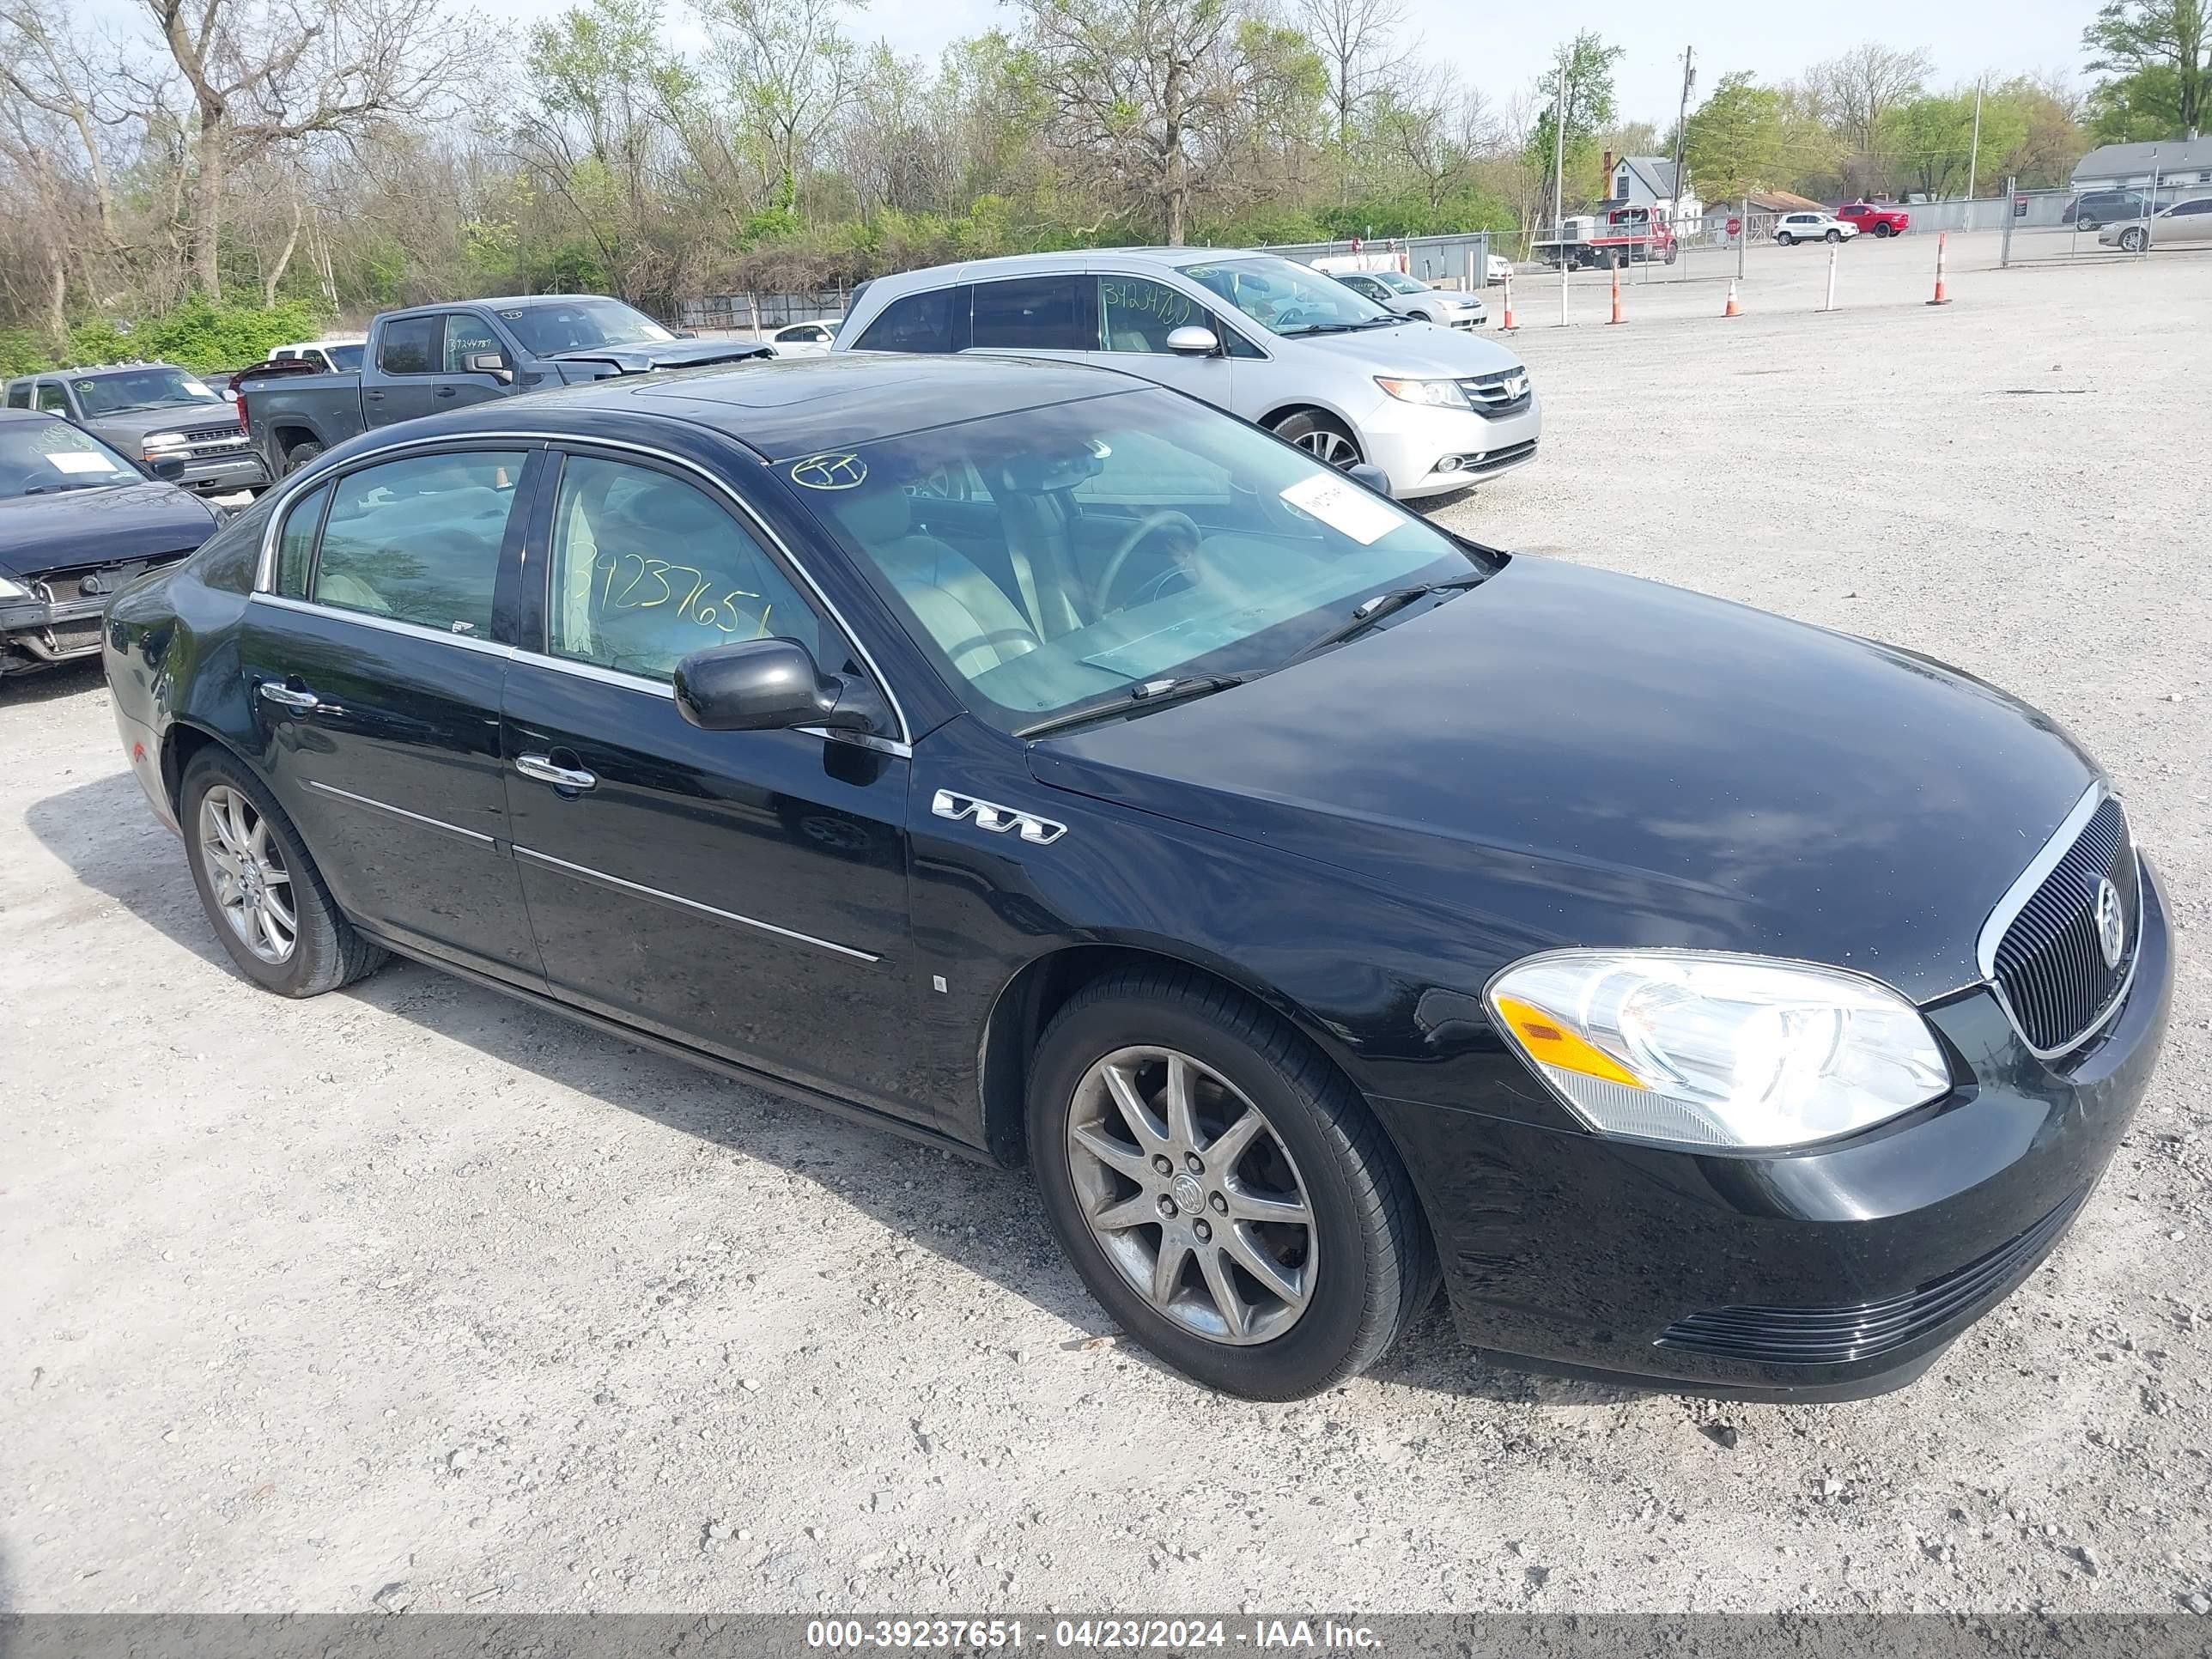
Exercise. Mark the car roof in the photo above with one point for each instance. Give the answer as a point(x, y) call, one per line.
point(784, 408)
point(1016, 264)
point(94, 369)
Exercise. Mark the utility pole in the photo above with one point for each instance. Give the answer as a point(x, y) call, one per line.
point(1974, 156)
point(1681, 140)
point(1558, 181)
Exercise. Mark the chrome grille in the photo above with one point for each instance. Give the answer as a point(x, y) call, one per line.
point(2049, 961)
point(211, 442)
point(1506, 392)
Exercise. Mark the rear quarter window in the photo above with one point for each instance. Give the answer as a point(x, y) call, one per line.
point(229, 559)
point(913, 322)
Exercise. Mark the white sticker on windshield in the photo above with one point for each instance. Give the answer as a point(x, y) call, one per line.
point(199, 389)
point(1342, 504)
point(81, 460)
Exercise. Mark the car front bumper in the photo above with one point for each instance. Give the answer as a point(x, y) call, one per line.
point(1829, 1274)
point(225, 476)
point(1432, 452)
point(60, 623)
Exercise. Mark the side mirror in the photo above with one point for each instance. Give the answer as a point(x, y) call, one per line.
point(1191, 340)
point(767, 685)
point(168, 469)
point(491, 364)
point(1371, 475)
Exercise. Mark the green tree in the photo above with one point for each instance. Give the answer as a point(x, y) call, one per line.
point(1733, 141)
point(1579, 105)
point(2156, 50)
point(1931, 139)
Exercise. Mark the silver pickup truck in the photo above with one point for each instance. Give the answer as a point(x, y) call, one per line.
point(153, 412)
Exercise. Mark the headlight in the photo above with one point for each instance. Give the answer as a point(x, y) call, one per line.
point(1440, 394)
point(10, 589)
point(163, 440)
point(1709, 1050)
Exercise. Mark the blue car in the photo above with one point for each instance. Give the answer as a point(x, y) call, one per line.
point(77, 521)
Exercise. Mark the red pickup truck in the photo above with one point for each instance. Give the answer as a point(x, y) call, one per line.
point(1872, 219)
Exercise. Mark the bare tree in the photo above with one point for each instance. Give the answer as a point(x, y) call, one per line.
point(265, 72)
point(1857, 89)
point(791, 72)
point(1362, 59)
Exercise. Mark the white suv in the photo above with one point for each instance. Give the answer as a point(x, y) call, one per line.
point(1281, 344)
point(1813, 227)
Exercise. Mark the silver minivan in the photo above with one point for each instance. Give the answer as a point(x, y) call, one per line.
point(1277, 343)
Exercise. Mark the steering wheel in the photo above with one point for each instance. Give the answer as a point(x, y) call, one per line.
point(1150, 524)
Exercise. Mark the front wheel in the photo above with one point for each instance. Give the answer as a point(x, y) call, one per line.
point(1834, 236)
point(2134, 240)
point(1222, 1189)
point(1322, 436)
point(1882, 232)
point(259, 888)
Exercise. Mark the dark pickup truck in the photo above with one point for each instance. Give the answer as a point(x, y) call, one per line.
point(439, 357)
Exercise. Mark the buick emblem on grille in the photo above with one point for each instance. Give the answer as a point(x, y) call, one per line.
point(2112, 922)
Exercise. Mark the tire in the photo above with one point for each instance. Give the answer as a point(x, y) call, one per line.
point(300, 454)
point(325, 951)
point(1883, 231)
point(1361, 1261)
point(1322, 436)
point(2087, 223)
point(2134, 240)
point(1834, 236)
point(1782, 238)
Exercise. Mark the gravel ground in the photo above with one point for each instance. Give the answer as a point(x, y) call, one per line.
point(412, 1296)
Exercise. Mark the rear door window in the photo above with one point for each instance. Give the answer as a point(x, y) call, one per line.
point(913, 322)
point(410, 346)
point(418, 541)
point(1031, 313)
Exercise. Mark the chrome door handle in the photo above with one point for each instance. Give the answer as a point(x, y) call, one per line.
point(290, 697)
point(541, 767)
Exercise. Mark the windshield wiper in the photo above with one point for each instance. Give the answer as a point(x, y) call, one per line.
point(1149, 695)
point(1342, 328)
point(1369, 611)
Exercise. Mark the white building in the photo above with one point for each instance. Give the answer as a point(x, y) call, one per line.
point(2178, 161)
point(1648, 181)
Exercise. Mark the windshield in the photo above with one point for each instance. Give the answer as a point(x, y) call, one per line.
point(548, 331)
point(1398, 283)
point(158, 387)
point(42, 458)
point(1289, 299)
point(344, 357)
point(1059, 557)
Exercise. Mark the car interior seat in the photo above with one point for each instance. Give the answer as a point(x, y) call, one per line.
point(968, 615)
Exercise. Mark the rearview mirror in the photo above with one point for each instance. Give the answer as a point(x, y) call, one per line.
point(1371, 475)
point(491, 364)
point(168, 468)
point(766, 685)
point(1191, 340)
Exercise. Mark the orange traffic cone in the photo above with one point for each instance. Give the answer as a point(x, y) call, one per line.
point(1617, 317)
point(1942, 298)
point(1733, 309)
point(1509, 322)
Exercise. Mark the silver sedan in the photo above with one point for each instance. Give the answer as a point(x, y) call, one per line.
point(1394, 291)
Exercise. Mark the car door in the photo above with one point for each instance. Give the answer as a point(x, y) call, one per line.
point(741, 892)
point(1045, 315)
point(52, 398)
point(470, 336)
point(1136, 314)
point(375, 657)
point(410, 354)
point(2186, 221)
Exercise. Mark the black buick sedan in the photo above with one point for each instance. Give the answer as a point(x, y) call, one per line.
point(1045, 765)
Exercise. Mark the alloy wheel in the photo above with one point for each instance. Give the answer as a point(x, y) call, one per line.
point(1330, 445)
point(1193, 1195)
point(245, 867)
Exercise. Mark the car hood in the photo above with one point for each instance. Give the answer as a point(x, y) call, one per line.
point(129, 426)
point(644, 358)
point(1415, 352)
point(99, 526)
point(1568, 757)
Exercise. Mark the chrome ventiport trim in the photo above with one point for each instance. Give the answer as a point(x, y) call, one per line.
point(402, 812)
point(989, 815)
point(2038, 867)
point(585, 873)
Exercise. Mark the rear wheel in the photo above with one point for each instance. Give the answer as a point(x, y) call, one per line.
point(1784, 238)
point(1322, 436)
point(1221, 1188)
point(300, 454)
point(259, 888)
